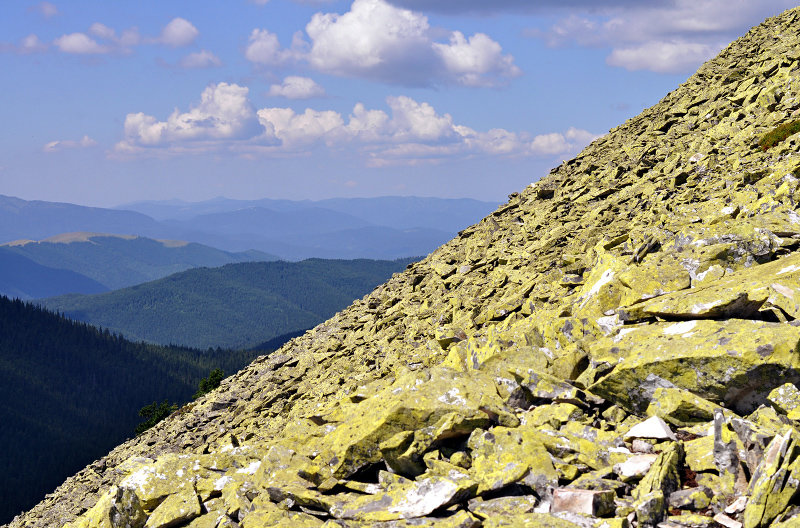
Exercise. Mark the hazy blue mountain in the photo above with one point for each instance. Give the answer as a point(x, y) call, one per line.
point(363, 242)
point(181, 210)
point(383, 243)
point(399, 212)
point(233, 306)
point(405, 212)
point(390, 226)
point(21, 219)
point(267, 223)
point(117, 261)
point(25, 279)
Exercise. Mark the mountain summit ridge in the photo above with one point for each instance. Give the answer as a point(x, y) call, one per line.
point(620, 340)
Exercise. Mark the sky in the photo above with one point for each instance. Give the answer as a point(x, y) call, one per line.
point(106, 103)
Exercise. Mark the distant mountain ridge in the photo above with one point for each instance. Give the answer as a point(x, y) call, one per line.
point(347, 228)
point(22, 278)
point(118, 261)
point(234, 306)
point(398, 212)
point(22, 219)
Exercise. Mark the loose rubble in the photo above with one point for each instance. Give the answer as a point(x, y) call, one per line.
point(617, 346)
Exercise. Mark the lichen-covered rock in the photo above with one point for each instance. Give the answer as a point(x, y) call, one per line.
point(175, 509)
point(786, 400)
point(736, 362)
point(503, 456)
point(680, 407)
point(117, 508)
point(404, 420)
point(775, 482)
point(502, 506)
point(654, 276)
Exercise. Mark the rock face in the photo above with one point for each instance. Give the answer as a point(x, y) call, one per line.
point(618, 345)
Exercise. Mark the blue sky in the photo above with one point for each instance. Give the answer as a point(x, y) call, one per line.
point(110, 102)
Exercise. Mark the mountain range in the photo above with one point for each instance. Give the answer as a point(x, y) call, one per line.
point(378, 228)
point(117, 261)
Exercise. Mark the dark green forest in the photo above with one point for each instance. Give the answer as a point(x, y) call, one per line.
point(233, 306)
point(71, 392)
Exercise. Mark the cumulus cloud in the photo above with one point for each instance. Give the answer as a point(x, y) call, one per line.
point(379, 41)
point(129, 37)
point(200, 59)
point(663, 57)
point(178, 32)
point(102, 39)
point(81, 44)
point(46, 9)
point(31, 44)
point(263, 48)
point(475, 61)
point(371, 39)
point(299, 130)
point(224, 113)
point(55, 146)
point(670, 37)
point(406, 132)
point(294, 87)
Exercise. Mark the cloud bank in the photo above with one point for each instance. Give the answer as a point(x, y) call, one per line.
point(101, 39)
point(664, 37)
point(410, 132)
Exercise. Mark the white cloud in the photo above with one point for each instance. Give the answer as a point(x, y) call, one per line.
point(80, 43)
point(372, 39)
point(472, 59)
point(299, 130)
point(200, 59)
point(102, 39)
point(178, 32)
point(102, 31)
point(662, 57)
point(265, 49)
point(224, 113)
point(55, 146)
point(31, 44)
point(413, 121)
point(379, 41)
point(665, 37)
point(46, 9)
point(294, 87)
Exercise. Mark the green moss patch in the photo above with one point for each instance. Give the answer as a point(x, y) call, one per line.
point(779, 133)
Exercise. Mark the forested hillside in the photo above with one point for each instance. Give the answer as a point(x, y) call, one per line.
point(70, 392)
point(233, 306)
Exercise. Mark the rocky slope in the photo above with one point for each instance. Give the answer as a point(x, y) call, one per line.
point(616, 346)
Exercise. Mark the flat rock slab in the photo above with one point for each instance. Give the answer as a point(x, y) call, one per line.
point(737, 362)
point(596, 503)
